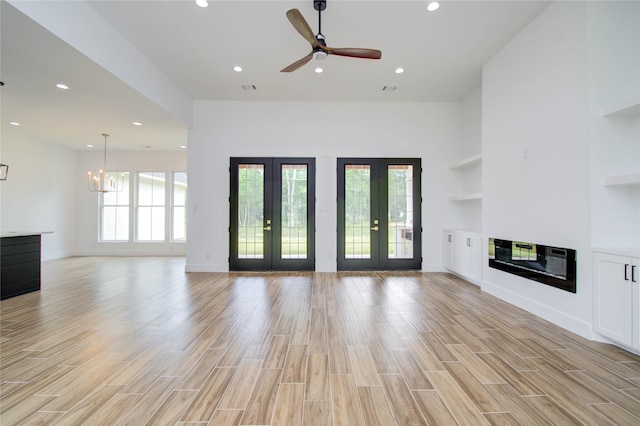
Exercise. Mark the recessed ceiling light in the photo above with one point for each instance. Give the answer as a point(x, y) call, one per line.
point(399, 70)
point(319, 70)
point(202, 3)
point(62, 86)
point(433, 6)
point(137, 123)
point(237, 68)
point(14, 123)
point(183, 147)
point(89, 145)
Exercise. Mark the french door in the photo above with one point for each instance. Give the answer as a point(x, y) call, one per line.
point(272, 208)
point(379, 215)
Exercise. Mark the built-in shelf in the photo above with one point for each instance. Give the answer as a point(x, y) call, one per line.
point(631, 179)
point(627, 107)
point(467, 162)
point(466, 197)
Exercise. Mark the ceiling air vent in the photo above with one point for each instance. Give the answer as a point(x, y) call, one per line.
point(249, 87)
point(389, 88)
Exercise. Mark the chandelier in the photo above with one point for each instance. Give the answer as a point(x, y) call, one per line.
point(102, 182)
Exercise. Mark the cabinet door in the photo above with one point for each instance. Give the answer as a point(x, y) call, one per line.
point(475, 258)
point(613, 298)
point(447, 249)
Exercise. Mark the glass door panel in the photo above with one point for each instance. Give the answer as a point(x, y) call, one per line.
point(379, 214)
point(250, 236)
point(294, 211)
point(357, 211)
point(400, 211)
point(272, 214)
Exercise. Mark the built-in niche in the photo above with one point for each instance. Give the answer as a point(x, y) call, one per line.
point(554, 266)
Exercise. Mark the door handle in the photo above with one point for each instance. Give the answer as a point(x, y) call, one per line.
point(267, 228)
point(633, 274)
point(626, 272)
point(375, 228)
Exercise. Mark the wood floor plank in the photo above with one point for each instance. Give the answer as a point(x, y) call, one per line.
point(375, 407)
point(433, 408)
point(612, 414)
point(317, 413)
point(289, 404)
point(26, 409)
point(509, 375)
point(462, 408)
point(201, 369)
point(346, 404)
point(410, 370)
point(222, 417)
point(403, 406)
point(241, 386)
point(262, 401)
point(89, 405)
point(146, 406)
point(119, 340)
point(173, 407)
point(517, 405)
point(363, 366)
point(204, 404)
point(472, 387)
point(475, 364)
point(277, 352)
point(338, 357)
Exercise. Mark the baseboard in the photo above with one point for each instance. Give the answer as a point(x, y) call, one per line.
point(206, 267)
point(560, 319)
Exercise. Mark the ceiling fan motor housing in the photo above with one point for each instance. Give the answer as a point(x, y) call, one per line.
point(319, 4)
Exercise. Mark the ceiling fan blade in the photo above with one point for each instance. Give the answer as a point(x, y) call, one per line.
point(355, 52)
point(300, 24)
point(297, 64)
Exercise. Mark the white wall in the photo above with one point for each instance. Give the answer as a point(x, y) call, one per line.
point(87, 224)
point(535, 147)
point(469, 179)
point(614, 78)
point(324, 130)
point(39, 193)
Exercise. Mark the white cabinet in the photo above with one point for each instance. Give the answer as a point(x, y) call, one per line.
point(462, 254)
point(616, 296)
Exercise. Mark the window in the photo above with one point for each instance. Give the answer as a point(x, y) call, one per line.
point(179, 224)
point(155, 218)
point(115, 212)
point(151, 206)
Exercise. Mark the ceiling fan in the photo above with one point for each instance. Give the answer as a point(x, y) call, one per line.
point(319, 48)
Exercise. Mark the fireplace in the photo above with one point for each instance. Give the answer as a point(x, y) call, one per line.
point(554, 266)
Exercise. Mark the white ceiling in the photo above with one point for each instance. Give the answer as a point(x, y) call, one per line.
point(196, 48)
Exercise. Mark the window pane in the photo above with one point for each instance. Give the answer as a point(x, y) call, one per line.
point(157, 223)
point(250, 211)
point(357, 215)
point(151, 207)
point(108, 223)
point(294, 211)
point(400, 211)
point(179, 224)
point(144, 223)
point(115, 210)
point(122, 223)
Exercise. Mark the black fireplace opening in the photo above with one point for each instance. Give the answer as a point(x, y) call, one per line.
point(554, 266)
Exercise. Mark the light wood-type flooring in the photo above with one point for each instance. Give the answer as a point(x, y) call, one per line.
point(139, 341)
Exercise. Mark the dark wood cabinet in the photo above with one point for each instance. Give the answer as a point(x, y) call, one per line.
point(19, 265)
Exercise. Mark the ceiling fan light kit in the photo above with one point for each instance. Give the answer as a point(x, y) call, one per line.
point(319, 48)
